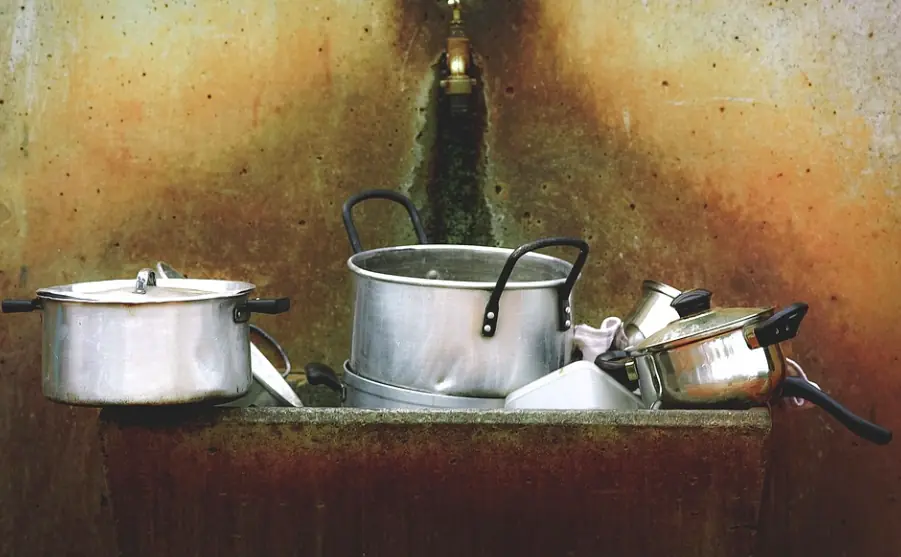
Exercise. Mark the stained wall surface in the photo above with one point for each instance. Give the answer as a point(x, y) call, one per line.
point(750, 148)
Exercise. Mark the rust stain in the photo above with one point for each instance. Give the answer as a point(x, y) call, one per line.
point(325, 59)
point(430, 489)
point(256, 111)
point(747, 198)
point(132, 168)
point(36, 435)
point(132, 110)
point(194, 178)
point(694, 163)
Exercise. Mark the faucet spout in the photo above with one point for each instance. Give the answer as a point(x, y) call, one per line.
point(457, 61)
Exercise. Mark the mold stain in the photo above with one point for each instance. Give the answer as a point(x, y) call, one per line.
point(452, 174)
point(481, 467)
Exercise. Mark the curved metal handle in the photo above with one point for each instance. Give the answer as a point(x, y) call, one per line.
point(390, 195)
point(801, 388)
point(619, 365)
point(278, 348)
point(146, 277)
point(564, 313)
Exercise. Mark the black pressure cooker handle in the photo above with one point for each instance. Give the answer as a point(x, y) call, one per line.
point(613, 363)
point(390, 195)
point(800, 388)
point(271, 306)
point(692, 302)
point(20, 306)
point(564, 312)
point(782, 326)
point(321, 374)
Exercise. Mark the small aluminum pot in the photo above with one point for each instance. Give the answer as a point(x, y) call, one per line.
point(146, 341)
point(725, 356)
point(652, 312)
point(459, 320)
point(360, 392)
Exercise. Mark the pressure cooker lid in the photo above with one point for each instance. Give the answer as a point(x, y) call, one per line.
point(698, 321)
point(146, 288)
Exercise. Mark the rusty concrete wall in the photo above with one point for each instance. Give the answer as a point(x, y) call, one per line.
point(748, 148)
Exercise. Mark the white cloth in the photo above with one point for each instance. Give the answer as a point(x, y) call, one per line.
point(794, 367)
point(594, 342)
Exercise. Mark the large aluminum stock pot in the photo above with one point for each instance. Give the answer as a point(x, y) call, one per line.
point(146, 341)
point(459, 320)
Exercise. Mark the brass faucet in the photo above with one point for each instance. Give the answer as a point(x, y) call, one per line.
point(459, 56)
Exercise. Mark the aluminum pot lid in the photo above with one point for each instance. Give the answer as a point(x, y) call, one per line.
point(701, 326)
point(146, 288)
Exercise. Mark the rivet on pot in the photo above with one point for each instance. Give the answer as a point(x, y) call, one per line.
point(240, 315)
point(487, 328)
point(490, 316)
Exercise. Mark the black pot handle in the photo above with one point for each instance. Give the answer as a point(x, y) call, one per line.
point(20, 306)
point(390, 195)
point(271, 306)
point(564, 313)
point(321, 374)
point(613, 363)
point(692, 302)
point(782, 326)
point(801, 388)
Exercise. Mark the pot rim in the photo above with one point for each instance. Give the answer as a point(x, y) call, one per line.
point(97, 292)
point(463, 285)
point(412, 396)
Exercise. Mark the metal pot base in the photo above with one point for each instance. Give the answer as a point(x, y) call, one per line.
point(211, 399)
point(366, 393)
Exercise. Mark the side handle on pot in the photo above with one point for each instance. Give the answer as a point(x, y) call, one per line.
point(801, 388)
point(390, 195)
point(782, 326)
point(21, 306)
point(692, 302)
point(619, 365)
point(564, 312)
point(321, 374)
point(270, 306)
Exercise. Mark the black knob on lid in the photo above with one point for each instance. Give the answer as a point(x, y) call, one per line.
point(692, 302)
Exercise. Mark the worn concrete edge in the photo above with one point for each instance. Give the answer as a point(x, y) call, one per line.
point(753, 419)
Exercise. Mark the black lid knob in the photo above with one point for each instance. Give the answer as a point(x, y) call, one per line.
point(692, 302)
